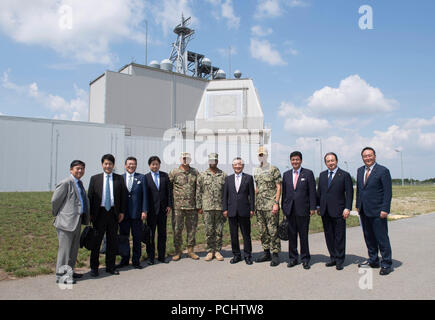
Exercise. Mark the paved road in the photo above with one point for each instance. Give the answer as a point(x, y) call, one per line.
point(413, 278)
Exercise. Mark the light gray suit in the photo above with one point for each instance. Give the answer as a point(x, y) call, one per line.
point(66, 207)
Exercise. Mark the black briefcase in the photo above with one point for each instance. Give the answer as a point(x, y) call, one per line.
point(88, 238)
point(123, 245)
point(283, 229)
point(146, 234)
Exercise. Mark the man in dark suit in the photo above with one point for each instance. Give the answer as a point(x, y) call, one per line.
point(137, 207)
point(238, 205)
point(160, 203)
point(107, 195)
point(298, 204)
point(334, 196)
point(373, 201)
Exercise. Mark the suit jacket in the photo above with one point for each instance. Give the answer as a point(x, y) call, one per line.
point(158, 199)
point(338, 196)
point(303, 199)
point(95, 194)
point(241, 202)
point(66, 205)
point(137, 197)
point(376, 195)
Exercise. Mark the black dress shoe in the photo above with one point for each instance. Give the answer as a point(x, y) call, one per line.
point(367, 264)
point(339, 267)
point(94, 272)
point(330, 263)
point(112, 271)
point(385, 270)
point(275, 260)
point(137, 266)
point(121, 265)
point(248, 260)
point(292, 263)
point(150, 262)
point(163, 260)
point(77, 275)
point(264, 257)
point(306, 265)
point(235, 259)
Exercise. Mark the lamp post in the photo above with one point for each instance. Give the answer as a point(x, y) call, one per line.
point(401, 164)
point(321, 153)
point(347, 166)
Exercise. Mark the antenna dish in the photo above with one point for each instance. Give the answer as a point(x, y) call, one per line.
point(220, 74)
point(237, 74)
point(155, 64)
point(166, 65)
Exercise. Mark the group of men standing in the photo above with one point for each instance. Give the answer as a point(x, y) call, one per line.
point(127, 201)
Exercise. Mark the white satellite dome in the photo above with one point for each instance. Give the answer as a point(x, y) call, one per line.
point(155, 64)
point(166, 65)
point(206, 62)
point(221, 74)
point(237, 74)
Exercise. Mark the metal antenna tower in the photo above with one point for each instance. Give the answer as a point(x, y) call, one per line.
point(179, 54)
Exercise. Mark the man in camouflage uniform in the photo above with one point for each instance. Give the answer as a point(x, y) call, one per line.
point(209, 192)
point(268, 191)
point(183, 184)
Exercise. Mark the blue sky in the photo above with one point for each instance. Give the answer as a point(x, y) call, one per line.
point(318, 74)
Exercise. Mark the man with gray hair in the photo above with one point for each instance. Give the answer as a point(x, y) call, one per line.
point(71, 208)
point(238, 205)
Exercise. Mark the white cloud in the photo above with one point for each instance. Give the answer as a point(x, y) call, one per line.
point(75, 109)
point(419, 123)
point(260, 32)
point(353, 96)
point(262, 50)
point(298, 121)
point(268, 9)
point(275, 8)
point(226, 12)
point(167, 14)
point(84, 31)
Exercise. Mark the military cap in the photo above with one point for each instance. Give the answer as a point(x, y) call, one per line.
point(213, 156)
point(262, 150)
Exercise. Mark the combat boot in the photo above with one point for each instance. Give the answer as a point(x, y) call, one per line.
point(218, 256)
point(177, 256)
point(209, 256)
point(192, 254)
point(265, 257)
point(275, 260)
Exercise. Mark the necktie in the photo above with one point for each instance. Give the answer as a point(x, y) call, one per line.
point(130, 182)
point(330, 178)
point(156, 180)
point(295, 179)
point(367, 175)
point(107, 202)
point(237, 182)
point(83, 195)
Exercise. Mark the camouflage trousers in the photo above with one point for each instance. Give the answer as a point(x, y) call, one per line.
point(214, 225)
point(179, 218)
point(268, 226)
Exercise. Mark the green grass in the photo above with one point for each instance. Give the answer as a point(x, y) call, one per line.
point(28, 240)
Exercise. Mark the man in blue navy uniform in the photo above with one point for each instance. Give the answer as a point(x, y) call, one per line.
point(137, 208)
point(373, 202)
